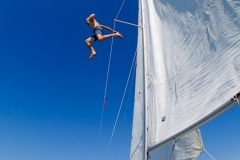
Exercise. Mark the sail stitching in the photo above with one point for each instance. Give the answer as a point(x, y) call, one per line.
point(208, 27)
point(175, 75)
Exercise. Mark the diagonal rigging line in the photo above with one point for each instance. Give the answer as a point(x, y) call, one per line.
point(120, 9)
point(125, 110)
point(105, 91)
point(122, 101)
point(209, 154)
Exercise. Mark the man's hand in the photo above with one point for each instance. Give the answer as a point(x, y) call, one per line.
point(91, 17)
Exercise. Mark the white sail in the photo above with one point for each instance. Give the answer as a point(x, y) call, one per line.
point(138, 135)
point(193, 67)
point(198, 50)
point(175, 150)
point(188, 147)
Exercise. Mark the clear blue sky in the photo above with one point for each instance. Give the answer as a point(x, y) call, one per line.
point(51, 95)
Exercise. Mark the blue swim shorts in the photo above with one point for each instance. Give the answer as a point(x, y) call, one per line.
point(97, 30)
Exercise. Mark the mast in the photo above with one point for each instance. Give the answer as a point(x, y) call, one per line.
point(145, 81)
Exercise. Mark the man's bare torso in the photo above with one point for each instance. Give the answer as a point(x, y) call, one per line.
point(93, 24)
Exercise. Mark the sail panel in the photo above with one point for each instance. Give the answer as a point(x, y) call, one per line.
point(193, 62)
point(138, 128)
point(188, 147)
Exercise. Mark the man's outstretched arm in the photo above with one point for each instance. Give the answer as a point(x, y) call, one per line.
point(108, 28)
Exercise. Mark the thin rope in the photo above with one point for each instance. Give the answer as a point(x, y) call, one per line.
point(120, 9)
point(172, 151)
point(106, 85)
point(105, 92)
point(109, 63)
point(127, 23)
point(120, 106)
point(208, 153)
point(111, 48)
point(126, 105)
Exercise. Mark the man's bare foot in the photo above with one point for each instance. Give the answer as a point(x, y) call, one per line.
point(118, 35)
point(92, 55)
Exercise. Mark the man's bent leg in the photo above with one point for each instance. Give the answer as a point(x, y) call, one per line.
point(101, 38)
point(88, 43)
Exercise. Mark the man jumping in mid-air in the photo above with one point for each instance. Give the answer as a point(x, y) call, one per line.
point(98, 34)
